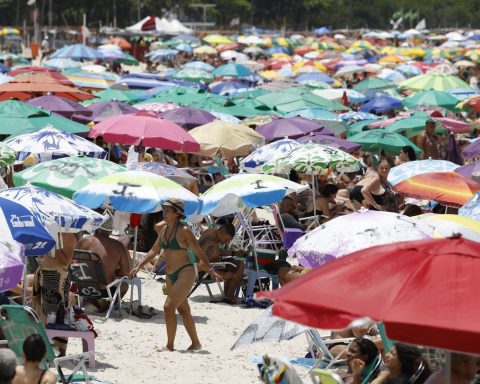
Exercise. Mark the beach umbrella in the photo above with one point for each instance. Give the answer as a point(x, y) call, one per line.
point(24, 91)
point(11, 263)
point(143, 128)
point(171, 172)
point(17, 59)
point(61, 63)
point(337, 94)
point(434, 81)
point(431, 98)
point(290, 100)
point(104, 110)
point(381, 104)
point(52, 208)
point(20, 224)
point(78, 52)
point(223, 105)
point(471, 150)
point(472, 103)
point(5, 79)
point(121, 42)
point(50, 143)
point(226, 117)
point(354, 116)
point(184, 48)
point(408, 126)
point(314, 77)
point(254, 162)
point(353, 232)
point(194, 75)
point(135, 192)
point(91, 80)
point(119, 56)
point(17, 117)
point(188, 117)
point(409, 70)
point(348, 70)
point(59, 105)
point(372, 83)
point(226, 138)
point(409, 169)
point(376, 140)
point(199, 65)
point(182, 96)
point(471, 170)
point(7, 155)
point(232, 70)
point(447, 188)
point(410, 295)
point(66, 175)
point(123, 96)
point(162, 54)
point(447, 225)
point(228, 87)
point(471, 208)
point(331, 141)
point(156, 107)
point(268, 328)
point(290, 127)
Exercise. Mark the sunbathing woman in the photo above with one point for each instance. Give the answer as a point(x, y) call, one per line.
point(177, 241)
point(361, 355)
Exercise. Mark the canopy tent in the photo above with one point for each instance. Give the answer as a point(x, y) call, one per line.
point(155, 24)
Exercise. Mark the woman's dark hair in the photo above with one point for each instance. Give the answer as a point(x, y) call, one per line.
point(412, 210)
point(410, 358)
point(329, 190)
point(294, 176)
point(229, 228)
point(410, 152)
point(367, 347)
point(34, 348)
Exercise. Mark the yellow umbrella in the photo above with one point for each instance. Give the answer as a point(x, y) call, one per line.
point(205, 50)
point(271, 75)
point(217, 39)
point(314, 64)
point(448, 225)
point(391, 59)
point(226, 138)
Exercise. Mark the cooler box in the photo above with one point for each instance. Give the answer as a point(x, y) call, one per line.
point(264, 256)
point(290, 235)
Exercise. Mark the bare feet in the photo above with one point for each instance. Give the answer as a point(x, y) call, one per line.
point(195, 347)
point(165, 349)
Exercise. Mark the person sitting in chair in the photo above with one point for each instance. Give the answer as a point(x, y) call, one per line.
point(210, 241)
point(115, 259)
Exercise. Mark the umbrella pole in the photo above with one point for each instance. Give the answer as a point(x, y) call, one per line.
point(254, 250)
point(313, 197)
point(24, 285)
point(448, 367)
point(135, 238)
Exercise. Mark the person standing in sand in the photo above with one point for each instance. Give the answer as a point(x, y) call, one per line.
point(178, 242)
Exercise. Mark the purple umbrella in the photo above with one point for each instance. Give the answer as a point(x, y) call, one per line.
point(104, 110)
point(471, 170)
point(291, 127)
point(188, 117)
point(453, 152)
point(11, 263)
point(472, 149)
point(332, 141)
point(60, 105)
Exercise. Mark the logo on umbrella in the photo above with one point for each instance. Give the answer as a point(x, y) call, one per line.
point(125, 186)
point(22, 221)
point(258, 186)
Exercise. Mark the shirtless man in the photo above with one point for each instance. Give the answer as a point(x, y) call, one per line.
point(210, 242)
point(427, 141)
point(115, 259)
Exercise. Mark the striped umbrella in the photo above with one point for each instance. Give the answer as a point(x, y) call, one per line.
point(7, 155)
point(434, 81)
point(418, 167)
point(61, 63)
point(78, 52)
point(431, 98)
point(447, 225)
point(471, 208)
point(194, 75)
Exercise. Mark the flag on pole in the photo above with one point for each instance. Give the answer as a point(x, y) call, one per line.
point(421, 25)
point(235, 21)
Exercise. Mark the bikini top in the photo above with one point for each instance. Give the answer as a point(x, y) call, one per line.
point(172, 243)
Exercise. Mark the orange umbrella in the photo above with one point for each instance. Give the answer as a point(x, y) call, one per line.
point(24, 91)
point(448, 188)
point(43, 78)
point(121, 42)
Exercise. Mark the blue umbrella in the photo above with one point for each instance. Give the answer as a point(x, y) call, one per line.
point(409, 70)
point(184, 48)
point(276, 49)
point(161, 54)
point(4, 68)
point(153, 91)
point(232, 70)
point(381, 104)
point(228, 87)
point(61, 63)
point(199, 65)
point(21, 224)
point(316, 76)
point(78, 52)
point(472, 208)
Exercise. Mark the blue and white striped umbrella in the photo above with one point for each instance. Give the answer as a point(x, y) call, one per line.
point(472, 208)
point(50, 143)
point(20, 224)
point(78, 52)
point(11, 263)
point(62, 63)
point(54, 210)
point(161, 54)
point(418, 167)
point(358, 116)
point(254, 162)
point(199, 65)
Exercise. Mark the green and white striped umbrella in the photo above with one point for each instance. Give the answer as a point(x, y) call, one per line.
point(434, 81)
point(66, 175)
point(7, 155)
point(313, 157)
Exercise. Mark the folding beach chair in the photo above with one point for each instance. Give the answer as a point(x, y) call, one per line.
point(318, 347)
point(18, 322)
point(88, 274)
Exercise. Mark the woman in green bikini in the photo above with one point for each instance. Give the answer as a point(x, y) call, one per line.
point(177, 241)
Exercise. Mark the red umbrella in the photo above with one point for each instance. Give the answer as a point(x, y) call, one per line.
point(23, 91)
point(144, 128)
point(41, 71)
point(448, 188)
point(426, 292)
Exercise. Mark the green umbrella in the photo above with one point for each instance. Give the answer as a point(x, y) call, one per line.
point(412, 126)
point(224, 106)
point(194, 75)
point(254, 105)
point(17, 118)
point(324, 117)
point(435, 81)
point(253, 93)
point(359, 126)
point(66, 175)
point(373, 83)
point(130, 96)
point(376, 140)
point(182, 96)
point(7, 155)
point(431, 98)
point(232, 70)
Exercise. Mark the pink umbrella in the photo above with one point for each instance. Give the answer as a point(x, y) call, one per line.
point(144, 128)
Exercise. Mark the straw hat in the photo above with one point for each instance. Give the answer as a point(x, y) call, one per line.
point(176, 204)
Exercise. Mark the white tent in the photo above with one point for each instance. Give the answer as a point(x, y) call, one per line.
point(162, 25)
point(180, 27)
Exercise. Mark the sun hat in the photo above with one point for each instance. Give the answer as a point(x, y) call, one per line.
point(177, 204)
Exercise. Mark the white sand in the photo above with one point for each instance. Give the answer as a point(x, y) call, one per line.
point(126, 346)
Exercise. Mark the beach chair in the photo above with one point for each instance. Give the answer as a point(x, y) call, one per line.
point(324, 376)
point(88, 274)
point(319, 347)
point(18, 322)
point(371, 369)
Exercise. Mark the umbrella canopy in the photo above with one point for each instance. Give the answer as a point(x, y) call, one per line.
point(66, 175)
point(171, 172)
point(246, 190)
point(232, 70)
point(328, 119)
point(50, 143)
point(78, 52)
point(128, 96)
point(20, 224)
point(59, 105)
point(7, 155)
point(226, 138)
point(331, 141)
point(24, 91)
point(353, 232)
point(188, 117)
point(381, 104)
point(434, 81)
point(199, 65)
point(105, 110)
point(471, 170)
point(49, 207)
point(11, 264)
point(194, 75)
point(61, 63)
point(447, 225)
point(254, 162)
point(418, 167)
point(471, 150)
point(290, 127)
point(376, 140)
point(448, 188)
point(135, 192)
point(372, 83)
point(146, 129)
point(421, 297)
point(313, 157)
point(431, 98)
point(471, 208)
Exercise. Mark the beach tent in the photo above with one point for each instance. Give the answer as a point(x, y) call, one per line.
point(155, 24)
